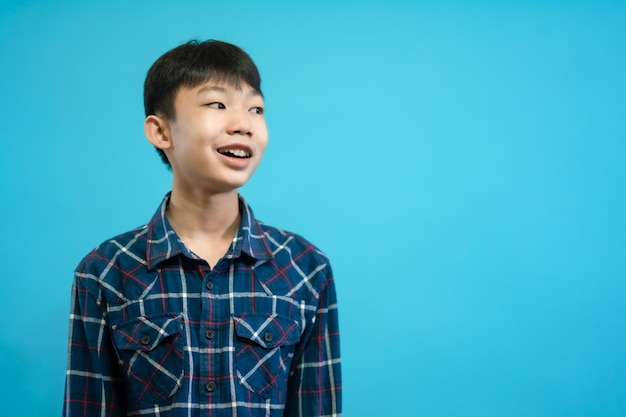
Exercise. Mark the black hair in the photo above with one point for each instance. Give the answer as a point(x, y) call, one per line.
point(190, 65)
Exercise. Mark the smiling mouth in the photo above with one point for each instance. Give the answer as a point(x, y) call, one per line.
point(235, 153)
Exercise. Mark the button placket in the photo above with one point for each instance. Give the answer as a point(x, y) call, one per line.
point(210, 319)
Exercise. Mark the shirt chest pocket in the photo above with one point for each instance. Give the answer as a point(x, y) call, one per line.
point(264, 346)
point(151, 352)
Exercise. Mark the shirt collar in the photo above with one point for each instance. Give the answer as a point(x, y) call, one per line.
point(164, 243)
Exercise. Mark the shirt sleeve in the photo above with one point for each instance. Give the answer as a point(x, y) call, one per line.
point(315, 380)
point(94, 385)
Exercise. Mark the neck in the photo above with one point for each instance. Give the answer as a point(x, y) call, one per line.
point(198, 215)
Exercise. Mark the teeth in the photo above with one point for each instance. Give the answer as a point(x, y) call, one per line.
point(240, 153)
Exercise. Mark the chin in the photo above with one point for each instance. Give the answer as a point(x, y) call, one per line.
point(233, 184)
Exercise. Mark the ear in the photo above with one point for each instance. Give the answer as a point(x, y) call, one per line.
point(157, 130)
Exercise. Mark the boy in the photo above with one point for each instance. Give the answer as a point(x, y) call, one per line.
point(204, 311)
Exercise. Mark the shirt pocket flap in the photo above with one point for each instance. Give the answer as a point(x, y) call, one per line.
point(268, 330)
point(146, 332)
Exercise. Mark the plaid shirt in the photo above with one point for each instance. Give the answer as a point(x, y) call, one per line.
point(155, 332)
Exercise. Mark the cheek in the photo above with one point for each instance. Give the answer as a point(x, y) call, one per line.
point(262, 138)
point(261, 145)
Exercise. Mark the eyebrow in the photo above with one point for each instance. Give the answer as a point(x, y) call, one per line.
point(221, 89)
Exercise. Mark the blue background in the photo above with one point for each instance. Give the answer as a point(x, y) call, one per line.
point(462, 163)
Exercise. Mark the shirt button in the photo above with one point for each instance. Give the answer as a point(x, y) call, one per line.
point(210, 334)
point(209, 285)
point(145, 339)
point(210, 386)
point(268, 336)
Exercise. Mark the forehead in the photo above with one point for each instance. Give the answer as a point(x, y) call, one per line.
point(222, 87)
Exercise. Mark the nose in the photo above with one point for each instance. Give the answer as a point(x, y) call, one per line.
point(239, 123)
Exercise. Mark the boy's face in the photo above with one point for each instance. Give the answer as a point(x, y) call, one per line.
point(218, 137)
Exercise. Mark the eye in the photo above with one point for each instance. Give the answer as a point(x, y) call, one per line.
point(257, 110)
point(216, 105)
